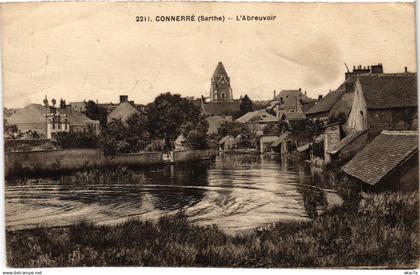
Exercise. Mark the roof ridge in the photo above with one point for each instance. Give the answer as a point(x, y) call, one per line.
point(400, 133)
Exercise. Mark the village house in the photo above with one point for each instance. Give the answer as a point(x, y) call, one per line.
point(340, 100)
point(266, 141)
point(292, 119)
point(256, 121)
point(292, 101)
point(227, 143)
point(286, 101)
point(380, 102)
point(47, 120)
point(277, 144)
point(389, 161)
point(347, 148)
point(79, 106)
point(180, 143)
point(124, 110)
point(384, 102)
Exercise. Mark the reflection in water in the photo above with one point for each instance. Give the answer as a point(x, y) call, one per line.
point(235, 192)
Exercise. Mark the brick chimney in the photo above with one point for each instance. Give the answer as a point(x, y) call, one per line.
point(62, 104)
point(123, 98)
point(377, 69)
point(319, 97)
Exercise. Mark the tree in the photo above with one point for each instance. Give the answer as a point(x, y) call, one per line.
point(137, 134)
point(95, 112)
point(165, 119)
point(245, 106)
point(113, 138)
point(10, 130)
point(196, 136)
point(169, 113)
point(276, 128)
point(340, 118)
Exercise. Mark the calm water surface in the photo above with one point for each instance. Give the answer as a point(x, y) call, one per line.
point(235, 192)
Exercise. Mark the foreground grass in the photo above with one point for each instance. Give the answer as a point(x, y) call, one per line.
point(381, 230)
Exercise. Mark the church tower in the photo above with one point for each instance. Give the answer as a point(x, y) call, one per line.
point(220, 85)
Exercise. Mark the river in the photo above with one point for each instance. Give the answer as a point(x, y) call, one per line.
point(234, 192)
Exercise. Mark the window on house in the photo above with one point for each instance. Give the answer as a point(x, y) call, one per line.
point(53, 125)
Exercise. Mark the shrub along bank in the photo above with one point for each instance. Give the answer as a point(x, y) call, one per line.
point(382, 230)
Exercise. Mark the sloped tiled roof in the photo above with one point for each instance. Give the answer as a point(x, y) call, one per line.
point(225, 138)
point(75, 117)
point(261, 104)
point(389, 90)
point(327, 102)
point(35, 113)
point(293, 115)
point(345, 141)
point(291, 98)
point(32, 113)
point(380, 157)
point(257, 116)
point(123, 111)
point(278, 141)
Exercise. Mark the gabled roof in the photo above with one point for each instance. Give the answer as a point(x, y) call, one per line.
point(32, 113)
point(257, 116)
point(75, 117)
point(35, 113)
point(123, 111)
point(328, 101)
point(293, 115)
point(389, 90)
point(291, 98)
point(346, 141)
point(261, 104)
point(279, 140)
point(225, 138)
point(380, 157)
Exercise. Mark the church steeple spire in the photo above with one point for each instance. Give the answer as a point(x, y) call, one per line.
point(220, 85)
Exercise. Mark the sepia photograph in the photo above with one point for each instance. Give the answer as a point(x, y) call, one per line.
point(210, 134)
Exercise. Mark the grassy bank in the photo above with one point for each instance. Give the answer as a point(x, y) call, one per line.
point(380, 231)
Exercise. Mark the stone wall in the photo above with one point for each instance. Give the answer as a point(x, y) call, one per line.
point(38, 162)
point(193, 155)
point(137, 159)
point(20, 164)
point(390, 119)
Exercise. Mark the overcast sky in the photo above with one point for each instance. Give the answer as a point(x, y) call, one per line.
point(80, 51)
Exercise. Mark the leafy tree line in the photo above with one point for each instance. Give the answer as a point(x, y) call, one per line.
point(166, 118)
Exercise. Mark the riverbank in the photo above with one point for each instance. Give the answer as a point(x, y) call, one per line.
point(379, 231)
point(51, 162)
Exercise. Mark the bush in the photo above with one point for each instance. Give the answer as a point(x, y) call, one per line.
point(77, 140)
point(381, 231)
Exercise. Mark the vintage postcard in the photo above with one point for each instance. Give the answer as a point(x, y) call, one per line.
point(210, 134)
